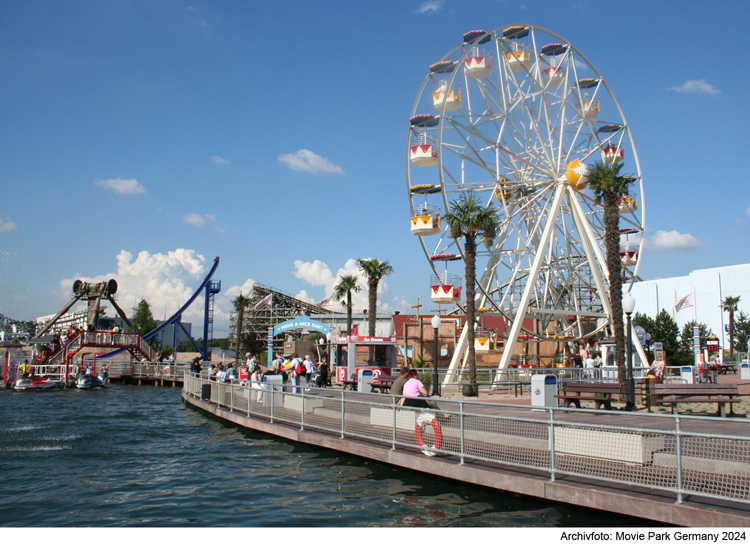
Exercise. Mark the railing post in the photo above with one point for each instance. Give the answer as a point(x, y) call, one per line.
point(678, 453)
point(302, 415)
point(551, 445)
point(249, 395)
point(231, 397)
point(461, 435)
point(342, 414)
point(273, 400)
point(393, 435)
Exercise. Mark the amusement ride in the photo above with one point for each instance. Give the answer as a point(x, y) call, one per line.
point(515, 116)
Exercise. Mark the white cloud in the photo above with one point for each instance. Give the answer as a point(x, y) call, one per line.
point(432, 6)
point(317, 273)
point(747, 210)
point(696, 87)
point(307, 161)
point(195, 219)
point(7, 225)
point(121, 186)
point(673, 241)
point(219, 160)
point(166, 281)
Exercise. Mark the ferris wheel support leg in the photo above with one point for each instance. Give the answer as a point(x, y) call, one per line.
point(454, 369)
point(592, 252)
point(523, 305)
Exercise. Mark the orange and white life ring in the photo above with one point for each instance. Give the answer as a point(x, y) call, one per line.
point(428, 419)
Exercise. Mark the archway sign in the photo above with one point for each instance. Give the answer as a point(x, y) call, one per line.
point(301, 322)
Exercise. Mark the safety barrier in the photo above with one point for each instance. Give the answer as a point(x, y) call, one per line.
point(672, 453)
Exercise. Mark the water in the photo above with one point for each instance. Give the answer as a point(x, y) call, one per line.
point(138, 456)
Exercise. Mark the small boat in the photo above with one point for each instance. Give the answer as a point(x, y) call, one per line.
point(85, 382)
point(30, 383)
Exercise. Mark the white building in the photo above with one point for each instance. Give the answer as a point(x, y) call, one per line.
point(697, 296)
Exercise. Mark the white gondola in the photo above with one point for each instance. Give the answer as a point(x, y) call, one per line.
point(612, 154)
point(478, 64)
point(518, 60)
point(553, 76)
point(425, 224)
point(589, 109)
point(627, 205)
point(443, 97)
point(445, 293)
point(423, 155)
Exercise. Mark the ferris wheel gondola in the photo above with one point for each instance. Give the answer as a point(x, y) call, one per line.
point(527, 115)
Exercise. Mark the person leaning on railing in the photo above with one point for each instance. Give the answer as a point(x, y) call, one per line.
point(414, 390)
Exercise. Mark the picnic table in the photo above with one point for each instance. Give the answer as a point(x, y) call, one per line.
point(675, 394)
point(572, 393)
point(383, 384)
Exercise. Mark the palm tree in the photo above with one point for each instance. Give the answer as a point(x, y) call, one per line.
point(343, 290)
point(241, 304)
point(375, 271)
point(609, 186)
point(730, 305)
point(470, 220)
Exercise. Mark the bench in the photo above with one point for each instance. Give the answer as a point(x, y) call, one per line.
point(349, 384)
point(572, 393)
point(674, 394)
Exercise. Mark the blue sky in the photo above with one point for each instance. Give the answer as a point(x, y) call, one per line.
point(141, 139)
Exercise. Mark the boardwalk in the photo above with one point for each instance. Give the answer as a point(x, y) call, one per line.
point(684, 471)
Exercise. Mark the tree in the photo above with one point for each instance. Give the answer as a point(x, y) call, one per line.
point(238, 334)
point(741, 332)
point(375, 270)
point(343, 290)
point(609, 186)
point(667, 332)
point(469, 220)
point(730, 305)
point(143, 321)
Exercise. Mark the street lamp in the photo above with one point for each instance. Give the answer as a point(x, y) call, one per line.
point(628, 305)
point(435, 321)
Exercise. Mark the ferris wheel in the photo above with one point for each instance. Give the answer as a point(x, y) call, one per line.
point(514, 116)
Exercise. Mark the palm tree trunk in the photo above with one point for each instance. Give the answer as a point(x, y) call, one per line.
point(373, 303)
point(614, 266)
point(470, 262)
point(348, 312)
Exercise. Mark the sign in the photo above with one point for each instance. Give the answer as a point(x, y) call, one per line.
point(658, 346)
point(712, 344)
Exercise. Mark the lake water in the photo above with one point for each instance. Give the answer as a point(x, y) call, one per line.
point(137, 456)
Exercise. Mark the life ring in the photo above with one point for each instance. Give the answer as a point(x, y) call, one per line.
point(428, 419)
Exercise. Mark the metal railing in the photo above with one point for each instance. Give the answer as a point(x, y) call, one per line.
point(673, 453)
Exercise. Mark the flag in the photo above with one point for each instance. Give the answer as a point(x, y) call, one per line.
point(684, 303)
point(265, 301)
point(325, 303)
point(355, 330)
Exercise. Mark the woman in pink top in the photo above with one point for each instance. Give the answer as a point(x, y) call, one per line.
point(414, 390)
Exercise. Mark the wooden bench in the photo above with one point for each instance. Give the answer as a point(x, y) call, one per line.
point(600, 393)
point(350, 384)
point(674, 394)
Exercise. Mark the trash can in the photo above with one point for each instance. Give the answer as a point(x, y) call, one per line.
point(205, 392)
point(543, 390)
point(365, 379)
point(744, 371)
point(687, 374)
point(273, 383)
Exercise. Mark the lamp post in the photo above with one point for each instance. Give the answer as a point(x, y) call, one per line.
point(628, 305)
point(435, 321)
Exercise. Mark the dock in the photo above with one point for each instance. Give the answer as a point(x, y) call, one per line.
point(678, 470)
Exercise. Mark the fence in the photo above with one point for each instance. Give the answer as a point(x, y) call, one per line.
point(676, 454)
